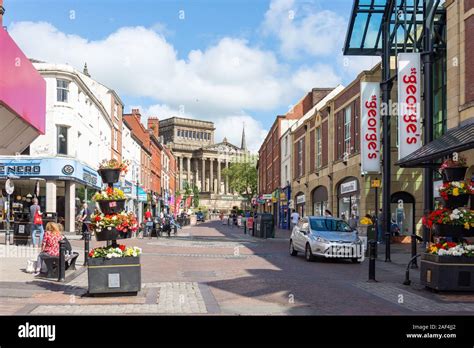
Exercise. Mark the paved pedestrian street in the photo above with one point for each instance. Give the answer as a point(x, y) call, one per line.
point(212, 269)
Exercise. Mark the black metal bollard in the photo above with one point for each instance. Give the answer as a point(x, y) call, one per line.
point(388, 236)
point(86, 247)
point(62, 261)
point(175, 230)
point(414, 264)
point(372, 256)
point(245, 227)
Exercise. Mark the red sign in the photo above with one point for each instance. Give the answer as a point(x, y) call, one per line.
point(370, 127)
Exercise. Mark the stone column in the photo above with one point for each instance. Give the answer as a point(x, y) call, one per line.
point(196, 167)
point(218, 188)
point(70, 205)
point(180, 185)
point(51, 194)
point(211, 175)
point(189, 170)
point(226, 184)
point(203, 178)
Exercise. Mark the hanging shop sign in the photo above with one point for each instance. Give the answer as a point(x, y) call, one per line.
point(300, 199)
point(370, 127)
point(267, 196)
point(348, 187)
point(409, 113)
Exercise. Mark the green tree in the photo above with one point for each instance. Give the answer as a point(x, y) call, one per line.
point(243, 179)
point(191, 189)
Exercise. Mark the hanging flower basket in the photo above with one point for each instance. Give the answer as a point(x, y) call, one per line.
point(454, 173)
point(111, 207)
point(452, 202)
point(109, 176)
point(111, 233)
point(454, 231)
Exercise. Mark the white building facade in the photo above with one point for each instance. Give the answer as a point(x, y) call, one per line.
point(131, 152)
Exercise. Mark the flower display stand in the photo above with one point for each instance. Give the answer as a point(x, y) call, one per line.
point(447, 273)
point(116, 275)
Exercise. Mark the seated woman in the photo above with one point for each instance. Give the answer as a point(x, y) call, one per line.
point(50, 246)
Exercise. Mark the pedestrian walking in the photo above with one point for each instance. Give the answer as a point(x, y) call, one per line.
point(85, 218)
point(295, 217)
point(148, 223)
point(37, 223)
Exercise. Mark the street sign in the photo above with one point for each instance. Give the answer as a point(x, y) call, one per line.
point(9, 187)
point(375, 183)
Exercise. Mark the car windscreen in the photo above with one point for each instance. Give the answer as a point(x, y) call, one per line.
point(329, 225)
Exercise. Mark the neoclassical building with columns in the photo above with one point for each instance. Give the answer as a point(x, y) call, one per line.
point(201, 161)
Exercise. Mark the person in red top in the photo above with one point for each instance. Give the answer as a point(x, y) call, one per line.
point(148, 223)
point(50, 246)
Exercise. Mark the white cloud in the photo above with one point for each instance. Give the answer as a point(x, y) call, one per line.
point(304, 30)
point(320, 75)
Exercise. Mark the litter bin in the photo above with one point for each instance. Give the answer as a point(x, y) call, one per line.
point(264, 227)
point(21, 228)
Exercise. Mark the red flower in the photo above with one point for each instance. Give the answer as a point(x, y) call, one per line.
point(122, 247)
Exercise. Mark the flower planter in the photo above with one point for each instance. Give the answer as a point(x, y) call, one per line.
point(111, 234)
point(454, 231)
point(115, 275)
point(447, 273)
point(456, 201)
point(454, 174)
point(111, 207)
point(109, 176)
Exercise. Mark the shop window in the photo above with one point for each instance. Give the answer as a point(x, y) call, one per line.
point(348, 198)
point(439, 97)
point(320, 200)
point(62, 87)
point(402, 211)
point(62, 140)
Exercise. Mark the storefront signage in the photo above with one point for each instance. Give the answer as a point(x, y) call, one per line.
point(370, 127)
point(267, 196)
point(300, 199)
point(142, 196)
point(348, 187)
point(409, 115)
point(50, 169)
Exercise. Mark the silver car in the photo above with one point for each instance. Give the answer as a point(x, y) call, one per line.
point(326, 237)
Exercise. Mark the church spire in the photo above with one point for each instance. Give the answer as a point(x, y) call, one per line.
point(243, 144)
point(86, 71)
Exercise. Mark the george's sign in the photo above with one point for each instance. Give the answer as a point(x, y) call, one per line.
point(370, 127)
point(409, 116)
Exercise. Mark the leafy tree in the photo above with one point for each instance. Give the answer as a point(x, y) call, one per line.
point(191, 189)
point(243, 178)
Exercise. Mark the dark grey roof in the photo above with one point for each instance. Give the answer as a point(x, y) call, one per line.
point(455, 140)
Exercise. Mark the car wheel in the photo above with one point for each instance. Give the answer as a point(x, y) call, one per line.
point(293, 252)
point(308, 254)
point(355, 260)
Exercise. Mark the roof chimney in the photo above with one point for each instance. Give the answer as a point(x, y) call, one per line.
point(2, 11)
point(154, 125)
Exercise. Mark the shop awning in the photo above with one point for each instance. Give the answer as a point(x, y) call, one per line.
point(455, 140)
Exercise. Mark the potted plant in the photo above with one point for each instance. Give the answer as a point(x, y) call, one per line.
point(456, 193)
point(450, 223)
point(114, 226)
point(110, 170)
point(447, 251)
point(111, 200)
point(114, 269)
point(454, 170)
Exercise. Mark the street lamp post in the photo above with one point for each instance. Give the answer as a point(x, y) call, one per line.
point(9, 187)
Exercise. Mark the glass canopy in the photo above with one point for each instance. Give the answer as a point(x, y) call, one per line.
point(406, 19)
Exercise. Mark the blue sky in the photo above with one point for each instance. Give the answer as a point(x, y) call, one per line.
point(233, 61)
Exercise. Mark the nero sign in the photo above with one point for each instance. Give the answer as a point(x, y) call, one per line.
point(409, 118)
point(370, 127)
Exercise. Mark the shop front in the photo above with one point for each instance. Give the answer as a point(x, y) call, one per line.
point(403, 212)
point(300, 202)
point(320, 200)
point(59, 183)
point(284, 214)
point(348, 198)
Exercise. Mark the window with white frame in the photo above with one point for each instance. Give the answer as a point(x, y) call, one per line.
point(286, 145)
point(318, 148)
point(115, 139)
point(300, 157)
point(347, 130)
point(62, 87)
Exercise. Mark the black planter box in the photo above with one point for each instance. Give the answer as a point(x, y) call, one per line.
point(454, 231)
point(454, 174)
point(447, 273)
point(116, 275)
point(111, 207)
point(454, 202)
point(109, 176)
point(112, 234)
